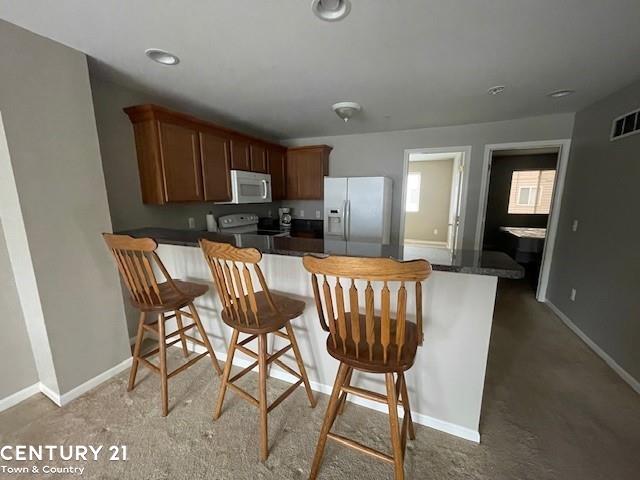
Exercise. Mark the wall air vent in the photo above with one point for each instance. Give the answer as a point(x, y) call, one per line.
point(626, 125)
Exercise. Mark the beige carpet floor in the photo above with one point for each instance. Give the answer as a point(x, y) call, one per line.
point(552, 410)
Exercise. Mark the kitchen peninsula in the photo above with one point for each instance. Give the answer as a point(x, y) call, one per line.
point(447, 383)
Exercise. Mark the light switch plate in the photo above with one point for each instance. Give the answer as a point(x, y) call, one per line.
point(574, 226)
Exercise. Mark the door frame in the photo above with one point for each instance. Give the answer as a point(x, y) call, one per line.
point(564, 145)
point(464, 160)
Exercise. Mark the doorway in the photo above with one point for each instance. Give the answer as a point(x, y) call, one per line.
point(520, 198)
point(433, 191)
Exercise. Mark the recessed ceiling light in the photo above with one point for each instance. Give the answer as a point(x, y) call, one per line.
point(346, 110)
point(561, 93)
point(497, 90)
point(331, 10)
point(162, 56)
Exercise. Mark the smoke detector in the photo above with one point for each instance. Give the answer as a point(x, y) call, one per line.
point(497, 90)
point(346, 110)
point(162, 56)
point(331, 10)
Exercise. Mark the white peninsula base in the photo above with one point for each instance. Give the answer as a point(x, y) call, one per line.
point(447, 380)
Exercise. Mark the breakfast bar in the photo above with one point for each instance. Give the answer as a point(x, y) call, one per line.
point(447, 381)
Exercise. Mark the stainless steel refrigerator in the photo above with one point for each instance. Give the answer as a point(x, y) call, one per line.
point(357, 209)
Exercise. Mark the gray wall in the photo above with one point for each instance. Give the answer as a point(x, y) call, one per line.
point(118, 150)
point(383, 154)
point(17, 366)
point(602, 259)
point(47, 111)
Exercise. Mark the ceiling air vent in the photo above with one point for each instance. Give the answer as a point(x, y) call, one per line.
point(626, 125)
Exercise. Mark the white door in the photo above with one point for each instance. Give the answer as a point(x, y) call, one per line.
point(456, 197)
point(365, 209)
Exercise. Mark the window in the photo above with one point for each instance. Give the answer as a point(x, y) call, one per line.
point(531, 191)
point(527, 196)
point(413, 192)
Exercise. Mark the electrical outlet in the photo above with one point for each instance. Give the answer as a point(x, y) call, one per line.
point(572, 297)
point(302, 213)
point(192, 223)
point(317, 213)
point(574, 225)
point(435, 231)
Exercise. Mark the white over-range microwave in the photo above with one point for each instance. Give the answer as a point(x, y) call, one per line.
point(249, 187)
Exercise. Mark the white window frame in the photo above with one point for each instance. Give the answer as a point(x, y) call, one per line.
point(529, 203)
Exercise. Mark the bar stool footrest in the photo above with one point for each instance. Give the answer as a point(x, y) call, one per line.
point(180, 330)
point(347, 442)
point(187, 365)
point(284, 395)
point(149, 365)
point(244, 394)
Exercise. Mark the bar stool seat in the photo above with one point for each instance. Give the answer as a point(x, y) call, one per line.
point(270, 320)
point(376, 363)
point(171, 299)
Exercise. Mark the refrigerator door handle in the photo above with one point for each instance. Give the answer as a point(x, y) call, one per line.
point(346, 219)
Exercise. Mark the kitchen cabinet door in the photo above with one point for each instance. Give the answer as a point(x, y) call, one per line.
point(259, 162)
point(216, 165)
point(240, 156)
point(278, 169)
point(180, 157)
point(306, 169)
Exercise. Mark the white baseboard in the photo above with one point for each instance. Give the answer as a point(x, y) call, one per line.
point(419, 418)
point(50, 394)
point(626, 376)
point(19, 396)
point(65, 398)
point(427, 243)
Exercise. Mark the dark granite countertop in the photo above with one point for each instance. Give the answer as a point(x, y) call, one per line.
point(496, 264)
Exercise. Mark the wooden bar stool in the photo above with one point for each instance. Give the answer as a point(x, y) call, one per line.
point(136, 258)
point(256, 313)
point(384, 343)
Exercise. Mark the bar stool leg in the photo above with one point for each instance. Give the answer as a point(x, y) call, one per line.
point(163, 365)
point(262, 365)
point(205, 338)
point(343, 397)
point(136, 353)
point(396, 443)
point(303, 372)
point(183, 339)
point(329, 418)
point(407, 407)
point(225, 375)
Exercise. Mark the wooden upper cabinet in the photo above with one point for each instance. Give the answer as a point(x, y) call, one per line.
point(180, 156)
point(215, 153)
point(185, 159)
point(240, 156)
point(306, 168)
point(258, 154)
point(278, 167)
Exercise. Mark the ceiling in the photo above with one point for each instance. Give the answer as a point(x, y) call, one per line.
point(272, 67)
